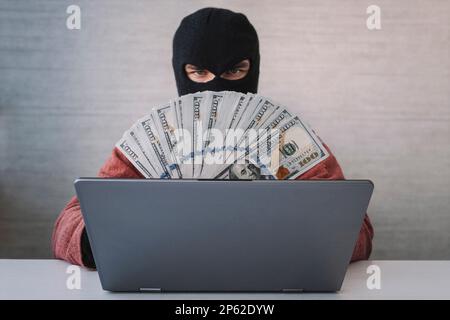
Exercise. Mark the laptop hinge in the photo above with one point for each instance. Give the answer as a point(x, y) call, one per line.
point(150, 289)
point(292, 290)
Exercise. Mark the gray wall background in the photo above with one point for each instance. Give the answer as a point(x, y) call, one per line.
point(379, 99)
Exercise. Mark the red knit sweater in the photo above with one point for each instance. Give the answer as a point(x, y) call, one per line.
point(66, 239)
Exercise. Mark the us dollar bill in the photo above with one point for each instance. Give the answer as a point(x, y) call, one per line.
point(214, 106)
point(298, 150)
point(149, 133)
point(222, 135)
point(166, 125)
point(199, 111)
point(132, 153)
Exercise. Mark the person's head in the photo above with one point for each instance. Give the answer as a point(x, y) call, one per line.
point(239, 171)
point(216, 49)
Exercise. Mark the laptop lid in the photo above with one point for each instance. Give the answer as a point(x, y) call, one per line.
point(189, 235)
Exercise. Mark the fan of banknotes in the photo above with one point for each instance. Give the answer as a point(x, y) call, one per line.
point(221, 135)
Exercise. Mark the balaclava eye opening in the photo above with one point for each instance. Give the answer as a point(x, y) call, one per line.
point(216, 40)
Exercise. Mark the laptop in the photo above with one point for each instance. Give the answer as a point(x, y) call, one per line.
point(222, 236)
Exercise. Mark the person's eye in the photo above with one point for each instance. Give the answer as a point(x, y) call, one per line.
point(234, 71)
point(238, 71)
point(199, 72)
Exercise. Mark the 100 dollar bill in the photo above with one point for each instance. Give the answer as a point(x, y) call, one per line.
point(299, 149)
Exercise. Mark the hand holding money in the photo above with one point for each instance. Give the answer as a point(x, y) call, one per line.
point(221, 135)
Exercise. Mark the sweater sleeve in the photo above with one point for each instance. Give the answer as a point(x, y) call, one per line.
point(69, 240)
point(329, 169)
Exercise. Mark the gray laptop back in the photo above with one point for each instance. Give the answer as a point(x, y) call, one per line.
point(188, 235)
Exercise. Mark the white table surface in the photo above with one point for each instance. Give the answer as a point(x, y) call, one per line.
point(46, 279)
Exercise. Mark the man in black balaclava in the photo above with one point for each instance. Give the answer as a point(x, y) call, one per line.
point(216, 49)
point(213, 49)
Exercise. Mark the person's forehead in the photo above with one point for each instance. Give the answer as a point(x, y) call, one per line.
point(243, 62)
point(215, 50)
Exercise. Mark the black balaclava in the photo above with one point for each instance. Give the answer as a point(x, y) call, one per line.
point(216, 40)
